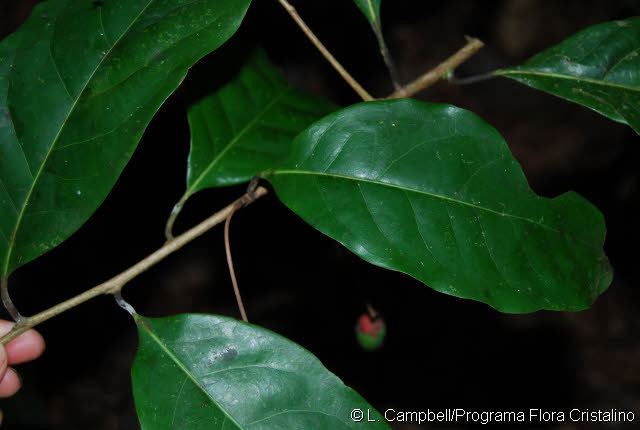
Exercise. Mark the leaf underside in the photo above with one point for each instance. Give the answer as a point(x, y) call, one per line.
point(598, 67)
point(79, 83)
point(433, 191)
point(210, 372)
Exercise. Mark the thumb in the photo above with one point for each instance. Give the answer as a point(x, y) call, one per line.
point(3, 361)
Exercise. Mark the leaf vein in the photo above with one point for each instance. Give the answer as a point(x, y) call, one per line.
point(237, 138)
point(55, 140)
point(428, 194)
point(183, 367)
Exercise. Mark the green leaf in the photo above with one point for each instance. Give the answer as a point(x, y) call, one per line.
point(211, 372)
point(371, 9)
point(247, 126)
point(433, 191)
point(599, 68)
point(79, 82)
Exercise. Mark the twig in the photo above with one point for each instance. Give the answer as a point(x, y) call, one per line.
point(434, 75)
point(467, 80)
point(364, 95)
point(386, 56)
point(232, 272)
point(115, 284)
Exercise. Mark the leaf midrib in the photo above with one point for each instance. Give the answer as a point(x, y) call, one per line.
point(11, 244)
point(432, 195)
point(507, 72)
point(251, 124)
point(182, 367)
point(373, 14)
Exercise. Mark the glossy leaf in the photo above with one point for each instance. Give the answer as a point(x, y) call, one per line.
point(211, 372)
point(371, 9)
point(79, 82)
point(247, 126)
point(598, 67)
point(433, 191)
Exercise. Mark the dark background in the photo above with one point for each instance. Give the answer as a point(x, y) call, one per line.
point(440, 351)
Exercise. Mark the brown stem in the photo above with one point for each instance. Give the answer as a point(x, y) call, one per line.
point(386, 56)
point(115, 284)
point(232, 272)
point(434, 75)
point(364, 95)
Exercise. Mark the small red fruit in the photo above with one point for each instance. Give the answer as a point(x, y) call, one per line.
point(370, 331)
